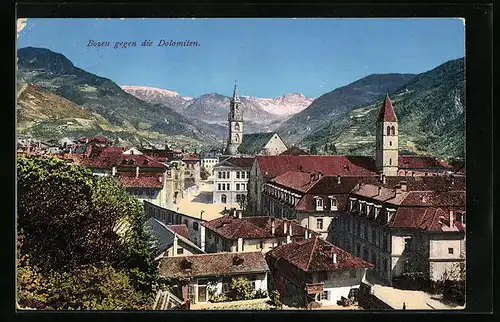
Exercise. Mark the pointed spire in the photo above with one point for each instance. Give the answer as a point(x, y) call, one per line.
point(387, 113)
point(236, 98)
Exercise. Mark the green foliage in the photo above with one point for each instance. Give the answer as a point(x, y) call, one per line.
point(313, 150)
point(241, 289)
point(71, 219)
point(204, 174)
point(275, 299)
point(92, 287)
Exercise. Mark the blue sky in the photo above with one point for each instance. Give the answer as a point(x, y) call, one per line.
point(268, 57)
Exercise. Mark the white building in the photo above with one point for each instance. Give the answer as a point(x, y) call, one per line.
point(230, 180)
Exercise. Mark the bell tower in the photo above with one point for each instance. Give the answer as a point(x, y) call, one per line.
point(235, 124)
point(386, 155)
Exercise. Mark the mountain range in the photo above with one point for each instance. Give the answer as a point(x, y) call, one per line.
point(56, 99)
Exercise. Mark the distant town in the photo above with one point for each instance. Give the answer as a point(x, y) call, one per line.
point(263, 224)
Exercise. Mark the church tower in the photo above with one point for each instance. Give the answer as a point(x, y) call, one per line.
point(235, 123)
point(386, 155)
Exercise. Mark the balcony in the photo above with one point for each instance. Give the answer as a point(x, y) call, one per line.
point(314, 288)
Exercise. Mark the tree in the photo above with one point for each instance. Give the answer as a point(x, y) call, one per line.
point(241, 289)
point(70, 218)
point(313, 150)
point(333, 148)
point(95, 287)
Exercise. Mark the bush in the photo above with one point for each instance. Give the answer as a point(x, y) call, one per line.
point(259, 294)
point(454, 291)
point(275, 299)
point(241, 289)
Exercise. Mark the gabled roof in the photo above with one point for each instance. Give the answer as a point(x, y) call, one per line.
point(315, 254)
point(254, 227)
point(129, 180)
point(272, 166)
point(294, 151)
point(164, 234)
point(421, 162)
point(237, 162)
point(181, 230)
point(214, 264)
point(415, 198)
point(387, 113)
point(254, 143)
point(425, 218)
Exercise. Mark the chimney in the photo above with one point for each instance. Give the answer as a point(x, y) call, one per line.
point(284, 227)
point(288, 239)
point(239, 214)
point(451, 218)
point(160, 178)
point(113, 171)
point(309, 234)
point(338, 179)
point(334, 258)
point(137, 172)
point(404, 186)
point(273, 227)
point(235, 215)
point(379, 190)
point(320, 175)
point(305, 233)
point(240, 245)
point(174, 251)
point(384, 180)
point(311, 177)
point(381, 176)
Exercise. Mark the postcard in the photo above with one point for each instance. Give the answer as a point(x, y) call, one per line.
point(241, 164)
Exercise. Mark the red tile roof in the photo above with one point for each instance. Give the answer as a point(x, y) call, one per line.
point(190, 158)
point(180, 230)
point(273, 166)
point(143, 181)
point(114, 159)
point(387, 113)
point(315, 254)
point(421, 162)
point(429, 219)
point(254, 227)
point(215, 264)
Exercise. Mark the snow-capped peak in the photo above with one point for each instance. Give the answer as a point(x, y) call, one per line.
point(284, 105)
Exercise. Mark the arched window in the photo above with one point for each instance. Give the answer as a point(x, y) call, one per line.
point(393, 130)
point(237, 127)
point(223, 198)
point(238, 197)
point(388, 130)
point(243, 197)
point(236, 138)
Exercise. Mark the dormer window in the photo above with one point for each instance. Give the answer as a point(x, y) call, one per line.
point(333, 203)
point(319, 203)
point(351, 203)
point(377, 210)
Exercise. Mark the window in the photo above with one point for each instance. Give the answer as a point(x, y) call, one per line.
point(238, 197)
point(261, 245)
point(186, 223)
point(195, 225)
point(223, 198)
point(237, 174)
point(325, 296)
point(388, 130)
point(180, 251)
point(450, 250)
point(319, 204)
point(237, 185)
point(319, 223)
point(352, 273)
point(390, 161)
point(333, 203)
point(218, 186)
point(393, 130)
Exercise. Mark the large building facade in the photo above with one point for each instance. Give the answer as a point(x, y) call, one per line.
point(231, 179)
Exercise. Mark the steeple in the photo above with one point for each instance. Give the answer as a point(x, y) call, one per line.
point(387, 113)
point(235, 123)
point(236, 97)
point(386, 151)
